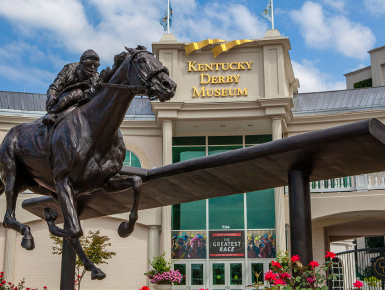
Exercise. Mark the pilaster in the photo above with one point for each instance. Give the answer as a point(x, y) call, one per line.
point(167, 125)
point(9, 255)
point(279, 197)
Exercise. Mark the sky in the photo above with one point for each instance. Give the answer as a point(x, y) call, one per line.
point(329, 38)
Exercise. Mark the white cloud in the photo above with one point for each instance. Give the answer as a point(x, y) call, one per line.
point(312, 79)
point(127, 23)
point(335, 32)
point(375, 7)
point(337, 4)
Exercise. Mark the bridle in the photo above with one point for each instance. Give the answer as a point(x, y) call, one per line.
point(146, 79)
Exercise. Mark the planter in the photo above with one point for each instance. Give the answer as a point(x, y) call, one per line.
point(164, 287)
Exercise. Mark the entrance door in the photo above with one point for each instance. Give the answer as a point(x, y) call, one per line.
point(256, 270)
point(193, 273)
point(226, 275)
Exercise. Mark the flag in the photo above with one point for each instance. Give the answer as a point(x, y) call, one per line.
point(163, 20)
point(267, 12)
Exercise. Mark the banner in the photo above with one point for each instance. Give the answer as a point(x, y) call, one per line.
point(227, 244)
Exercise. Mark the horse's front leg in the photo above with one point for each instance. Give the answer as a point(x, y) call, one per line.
point(120, 183)
point(96, 273)
point(50, 215)
point(67, 202)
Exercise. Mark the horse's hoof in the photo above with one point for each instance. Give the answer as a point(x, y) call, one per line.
point(124, 230)
point(28, 242)
point(50, 215)
point(97, 274)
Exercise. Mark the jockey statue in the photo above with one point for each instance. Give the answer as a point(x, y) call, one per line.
point(76, 83)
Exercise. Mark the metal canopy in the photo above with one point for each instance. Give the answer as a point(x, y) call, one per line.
point(352, 149)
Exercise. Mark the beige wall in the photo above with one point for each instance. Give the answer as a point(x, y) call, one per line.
point(377, 60)
point(357, 76)
point(124, 271)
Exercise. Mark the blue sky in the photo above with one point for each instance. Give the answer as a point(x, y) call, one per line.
point(328, 37)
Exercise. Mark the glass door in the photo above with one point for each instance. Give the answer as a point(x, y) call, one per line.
point(193, 275)
point(227, 275)
point(256, 271)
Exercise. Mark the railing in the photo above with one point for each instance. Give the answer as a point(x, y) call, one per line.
point(363, 182)
point(356, 265)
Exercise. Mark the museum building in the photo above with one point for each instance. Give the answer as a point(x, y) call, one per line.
point(230, 95)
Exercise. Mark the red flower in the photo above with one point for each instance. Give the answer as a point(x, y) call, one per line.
point(1, 276)
point(295, 258)
point(310, 280)
point(1, 272)
point(313, 264)
point(9, 283)
point(358, 284)
point(276, 264)
point(279, 282)
point(330, 255)
point(28, 288)
point(270, 276)
point(45, 287)
point(145, 288)
point(284, 276)
point(79, 276)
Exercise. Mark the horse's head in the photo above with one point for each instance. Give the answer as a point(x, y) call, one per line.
point(146, 70)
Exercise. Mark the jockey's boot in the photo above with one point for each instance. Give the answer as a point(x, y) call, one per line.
point(49, 119)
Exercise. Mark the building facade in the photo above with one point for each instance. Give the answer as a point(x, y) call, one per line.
point(229, 96)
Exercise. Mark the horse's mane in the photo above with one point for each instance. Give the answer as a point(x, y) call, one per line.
point(107, 73)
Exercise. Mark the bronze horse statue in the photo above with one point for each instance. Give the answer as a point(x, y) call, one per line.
point(82, 153)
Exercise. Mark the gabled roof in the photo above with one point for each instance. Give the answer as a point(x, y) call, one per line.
point(335, 101)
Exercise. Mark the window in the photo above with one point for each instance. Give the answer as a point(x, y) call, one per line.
point(363, 84)
point(131, 160)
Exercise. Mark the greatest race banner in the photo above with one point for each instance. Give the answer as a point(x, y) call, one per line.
point(227, 244)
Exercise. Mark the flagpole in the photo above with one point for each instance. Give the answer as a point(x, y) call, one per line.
point(168, 16)
point(272, 14)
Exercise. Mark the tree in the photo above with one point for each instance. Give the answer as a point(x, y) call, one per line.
point(95, 247)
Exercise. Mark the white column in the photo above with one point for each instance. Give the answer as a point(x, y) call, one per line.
point(9, 255)
point(166, 210)
point(153, 242)
point(279, 196)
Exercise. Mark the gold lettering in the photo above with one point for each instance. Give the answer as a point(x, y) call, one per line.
point(196, 94)
point(216, 65)
point(208, 80)
point(224, 92)
point(208, 67)
point(217, 92)
point(191, 66)
point(200, 67)
point(236, 78)
point(249, 64)
point(223, 66)
point(232, 95)
point(208, 94)
point(244, 93)
point(240, 65)
point(231, 66)
point(214, 80)
point(229, 79)
point(221, 80)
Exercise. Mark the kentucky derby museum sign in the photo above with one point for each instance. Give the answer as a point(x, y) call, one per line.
point(207, 79)
point(228, 244)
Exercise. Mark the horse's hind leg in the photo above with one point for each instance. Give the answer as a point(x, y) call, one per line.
point(14, 184)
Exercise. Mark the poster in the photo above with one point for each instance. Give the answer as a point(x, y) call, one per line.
point(188, 245)
point(227, 244)
point(261, 244)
